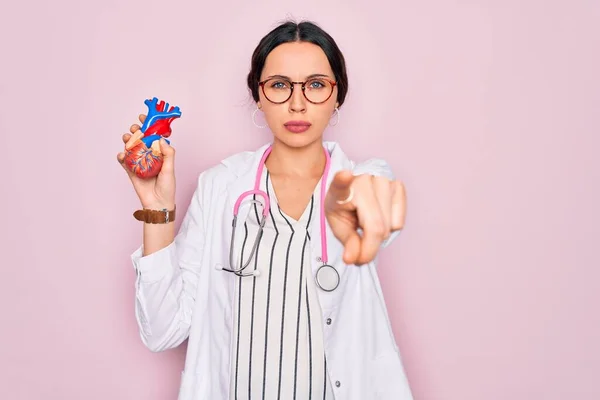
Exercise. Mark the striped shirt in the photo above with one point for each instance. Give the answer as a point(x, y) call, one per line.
point(278, 339)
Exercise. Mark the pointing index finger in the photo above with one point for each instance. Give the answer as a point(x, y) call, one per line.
point(371, 220)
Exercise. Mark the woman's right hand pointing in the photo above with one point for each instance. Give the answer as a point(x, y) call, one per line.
point(157, 192)
point(374, 204)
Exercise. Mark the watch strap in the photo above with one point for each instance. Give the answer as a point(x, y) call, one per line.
point(149, 216)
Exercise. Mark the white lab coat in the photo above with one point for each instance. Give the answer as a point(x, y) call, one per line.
point(181, 293)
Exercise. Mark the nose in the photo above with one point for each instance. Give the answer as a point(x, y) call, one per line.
point(297, 102)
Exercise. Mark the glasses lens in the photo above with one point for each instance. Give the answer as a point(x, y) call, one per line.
point(318, 90)
point(277, 90)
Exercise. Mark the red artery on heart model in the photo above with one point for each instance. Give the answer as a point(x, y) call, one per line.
point(142, 152)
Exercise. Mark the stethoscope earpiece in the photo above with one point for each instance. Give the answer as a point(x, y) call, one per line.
point(219, 267)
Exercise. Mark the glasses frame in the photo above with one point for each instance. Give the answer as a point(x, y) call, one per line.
point(293, 84)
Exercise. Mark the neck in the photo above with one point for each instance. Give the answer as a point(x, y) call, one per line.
point(303, 162)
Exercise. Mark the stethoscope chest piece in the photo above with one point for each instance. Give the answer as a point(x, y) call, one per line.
point(327, 278)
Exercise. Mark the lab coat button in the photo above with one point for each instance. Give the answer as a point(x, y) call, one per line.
point(328, 321)
point(338, 384)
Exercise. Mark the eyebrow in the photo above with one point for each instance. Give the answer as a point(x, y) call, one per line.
point(308, 77)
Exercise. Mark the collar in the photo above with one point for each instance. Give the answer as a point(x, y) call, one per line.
point(246, 162)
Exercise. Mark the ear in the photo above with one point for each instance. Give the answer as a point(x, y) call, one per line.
point(258, 104)
point(337, 104)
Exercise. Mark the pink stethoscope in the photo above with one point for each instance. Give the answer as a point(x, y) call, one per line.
point(327, 278)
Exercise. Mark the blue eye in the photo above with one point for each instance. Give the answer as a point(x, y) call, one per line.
point(316, 85)
point(279, 85)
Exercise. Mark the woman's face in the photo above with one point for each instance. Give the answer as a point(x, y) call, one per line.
point(297, 122)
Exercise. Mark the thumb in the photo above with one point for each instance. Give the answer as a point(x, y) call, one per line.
point(168, 153)
point(339, 189)
point(167, 150)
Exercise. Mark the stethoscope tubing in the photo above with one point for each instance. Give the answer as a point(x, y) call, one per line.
point(266, 209)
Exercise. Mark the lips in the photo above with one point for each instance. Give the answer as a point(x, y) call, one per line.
point(297, 126)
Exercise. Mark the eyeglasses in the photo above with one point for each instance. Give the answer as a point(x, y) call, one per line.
point(279, 90)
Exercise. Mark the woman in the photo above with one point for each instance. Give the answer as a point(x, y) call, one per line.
point(295, 310)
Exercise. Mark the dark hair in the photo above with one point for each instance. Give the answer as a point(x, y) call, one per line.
point(299, 32)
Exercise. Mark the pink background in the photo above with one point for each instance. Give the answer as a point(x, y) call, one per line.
point(488, 111)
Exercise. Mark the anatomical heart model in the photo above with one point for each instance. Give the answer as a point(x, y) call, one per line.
point(142, 151)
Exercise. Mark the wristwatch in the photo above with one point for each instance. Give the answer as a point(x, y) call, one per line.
point(148, 216)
